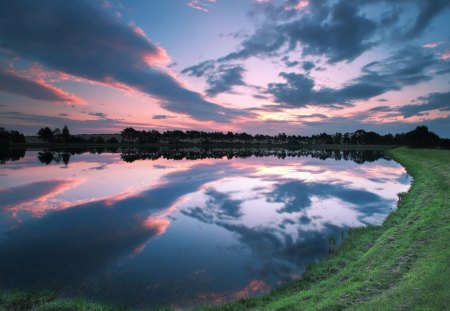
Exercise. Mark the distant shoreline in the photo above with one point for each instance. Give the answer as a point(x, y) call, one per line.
point(34, 143)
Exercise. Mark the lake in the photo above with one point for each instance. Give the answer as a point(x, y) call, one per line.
point(186, 227)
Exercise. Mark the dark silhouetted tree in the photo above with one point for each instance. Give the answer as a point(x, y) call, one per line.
point(45, 133)
point(65, 132)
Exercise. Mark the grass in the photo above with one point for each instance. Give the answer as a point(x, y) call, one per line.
point(402, 265)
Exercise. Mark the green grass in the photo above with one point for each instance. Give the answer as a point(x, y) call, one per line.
point(402, 265)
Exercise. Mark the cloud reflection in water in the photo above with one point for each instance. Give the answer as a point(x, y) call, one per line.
point(182, 232)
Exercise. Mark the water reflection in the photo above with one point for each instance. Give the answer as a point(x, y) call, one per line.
point(157, 231)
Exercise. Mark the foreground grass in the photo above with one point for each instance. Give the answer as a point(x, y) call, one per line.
point(402, 265)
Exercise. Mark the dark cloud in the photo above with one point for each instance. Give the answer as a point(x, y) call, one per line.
point(220, 78)
point(227, 207)
point(343, 35)
point(308, 65)
point(224, 78)
point(428, 10)
point(434, 101)
point(409, 66)
point(200, 70)
point(289, 63)
point(39, 90)
point(265, 41)
point(82, 39)
point(297, 91)
point(381, 109)
point(314, 115)
point(100, 115)
point(161, 117)
point(296, 195)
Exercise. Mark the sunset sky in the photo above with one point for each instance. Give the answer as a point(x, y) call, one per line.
point(260, 66)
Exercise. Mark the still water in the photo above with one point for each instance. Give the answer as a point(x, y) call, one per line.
point(182, 229)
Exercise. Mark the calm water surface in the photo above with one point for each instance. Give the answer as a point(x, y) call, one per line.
point(181, 232)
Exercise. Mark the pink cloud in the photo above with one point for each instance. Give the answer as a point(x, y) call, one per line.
point(201, 5)
point(156, 224)
point(15, 83)
point(38, 197)
point(446, 55)
point(301, 5)
point(431, 45)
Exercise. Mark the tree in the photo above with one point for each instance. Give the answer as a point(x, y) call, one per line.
point(421, 137)
point(129, 134)
point(45, 133)
point(65, 132)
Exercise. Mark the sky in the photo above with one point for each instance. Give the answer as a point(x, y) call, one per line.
point(261, 66)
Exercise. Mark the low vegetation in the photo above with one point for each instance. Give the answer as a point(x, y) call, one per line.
point(401, 265)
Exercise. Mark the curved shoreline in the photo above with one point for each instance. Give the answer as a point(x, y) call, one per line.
point(401, 265)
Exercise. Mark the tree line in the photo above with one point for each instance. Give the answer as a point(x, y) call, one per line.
point(64, 136)
point(419, 137)
point(132, 154)
point(10, 137)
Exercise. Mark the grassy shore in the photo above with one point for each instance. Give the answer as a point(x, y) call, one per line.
point(402, 265)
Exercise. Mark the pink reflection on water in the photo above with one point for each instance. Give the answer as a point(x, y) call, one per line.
point(253, 288)
point(40, 204)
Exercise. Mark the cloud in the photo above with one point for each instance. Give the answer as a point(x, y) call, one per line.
point(161, 117)
point(226, 207)
point(307, 66)
point(296, 196)
point(310, 116)
point(35, 89)
point(289, 63)
point(224, 78)
point(434, 101)
point(343, 34)
point(339, 32)
point(83, 40)
point(201, 5)
point(13, 197)
point(409, 66)
point(220, 78)
point(99, 115)
point(427, 12)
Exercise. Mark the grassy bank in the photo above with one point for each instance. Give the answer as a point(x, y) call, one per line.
point(401, 265)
